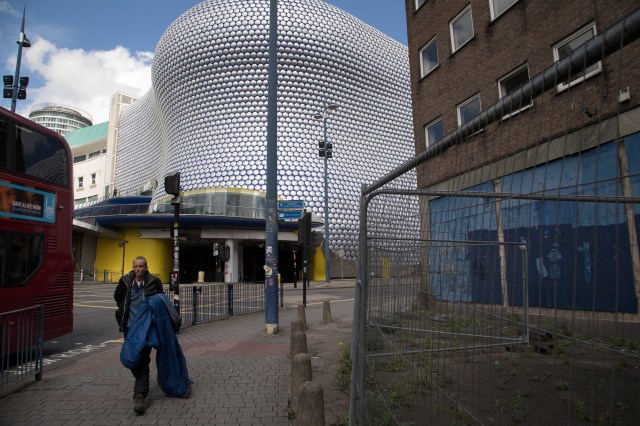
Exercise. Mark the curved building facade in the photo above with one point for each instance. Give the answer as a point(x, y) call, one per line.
point(206, 114)
point(60, 118)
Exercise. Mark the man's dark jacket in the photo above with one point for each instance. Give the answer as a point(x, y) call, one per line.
point(152, 285)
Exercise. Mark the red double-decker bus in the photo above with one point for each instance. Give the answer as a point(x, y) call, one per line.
point(36, 218)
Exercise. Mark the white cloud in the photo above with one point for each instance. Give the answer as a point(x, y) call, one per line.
point(85, 79)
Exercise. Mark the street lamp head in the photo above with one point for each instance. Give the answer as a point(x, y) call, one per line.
point(318, 116)
point(332, 107)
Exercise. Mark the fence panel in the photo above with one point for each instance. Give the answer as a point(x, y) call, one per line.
point(212, 301)
point(505, 289)
point(21, 340)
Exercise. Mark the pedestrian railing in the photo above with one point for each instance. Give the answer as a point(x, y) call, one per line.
point(202, 302)
point(21, 339)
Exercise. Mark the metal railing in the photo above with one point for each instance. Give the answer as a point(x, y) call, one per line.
point(202, 302)
point(21, 340)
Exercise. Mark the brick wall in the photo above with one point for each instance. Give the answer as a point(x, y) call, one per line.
point(524, 34)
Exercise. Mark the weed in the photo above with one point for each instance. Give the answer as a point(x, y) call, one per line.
point(343, 419)
point(410, 339)
point(581, 411)
point(344, 366)
point(458, 323)
point(379, 416)
point(513, 316)
point(513, 361)
point(516, 407)
point(374, 340)
point(541, 378)
point(633, 345)
point(400, 394)
point(616, 342)
point(623, 363)
point(421, 382)
point(623, 405)
point(430, 367)
point(561, 385)
point(397, 364)
point(561, 350)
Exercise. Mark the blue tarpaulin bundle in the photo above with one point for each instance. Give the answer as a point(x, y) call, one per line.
point(152, 327)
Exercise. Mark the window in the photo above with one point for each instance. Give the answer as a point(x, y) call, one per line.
point(428, 57)
point(79, 158)
point(41, 156)
point(499, 6)
point(94, 154)
point(433, 131)
point(509, 83)
point(21, 256)
point(80, 182)
point(568, 45)
point(461, 28)
point(468, 109)
point(93, 178)
point(419, 3)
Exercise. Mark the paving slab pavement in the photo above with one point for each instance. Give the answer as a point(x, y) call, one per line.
point(240, 375)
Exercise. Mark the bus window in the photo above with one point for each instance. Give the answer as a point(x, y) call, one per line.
point(23, 260)
point(41, 156)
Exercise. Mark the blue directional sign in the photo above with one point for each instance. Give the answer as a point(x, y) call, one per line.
point(294, 204)
point(291, 214)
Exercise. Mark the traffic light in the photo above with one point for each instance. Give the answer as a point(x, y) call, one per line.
point(321, 150)
point(22, 90)
point(172, 183)
point(304, 230)
point(7, 92)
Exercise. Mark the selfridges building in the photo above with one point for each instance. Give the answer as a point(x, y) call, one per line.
point(206, 113)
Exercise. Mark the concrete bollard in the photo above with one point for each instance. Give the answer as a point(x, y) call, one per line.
point(302, 316)
point(298, 343)
point(300, 373)
point(326, 312)
point(296, 325)
point(310, 405)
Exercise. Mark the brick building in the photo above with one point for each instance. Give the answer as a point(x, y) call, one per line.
point(579, 137)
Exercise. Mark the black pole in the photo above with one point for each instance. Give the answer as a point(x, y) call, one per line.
point(271, 231)
point(174, 286)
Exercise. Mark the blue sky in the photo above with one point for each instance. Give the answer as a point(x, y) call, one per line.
point(85, 50)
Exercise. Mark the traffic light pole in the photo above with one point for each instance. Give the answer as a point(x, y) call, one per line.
point(15, 89)
point(327, 268)
point(271, 225)
point(174, 286)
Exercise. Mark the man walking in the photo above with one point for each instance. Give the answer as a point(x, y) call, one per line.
point(131, 291)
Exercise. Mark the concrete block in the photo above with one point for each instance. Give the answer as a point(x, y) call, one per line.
point(302, 316)
point(298, 343)
point(300, 373)
point(310, 405)
point(326, 312)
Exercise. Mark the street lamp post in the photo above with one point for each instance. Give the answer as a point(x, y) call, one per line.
point(15, 87)
point(123, 244)
point(326, 153)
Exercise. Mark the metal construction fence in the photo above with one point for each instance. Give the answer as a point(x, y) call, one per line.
point(21, 339)
point(211, 301)
point(507, 292)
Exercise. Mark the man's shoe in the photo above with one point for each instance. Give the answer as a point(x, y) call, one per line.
point(138, 404)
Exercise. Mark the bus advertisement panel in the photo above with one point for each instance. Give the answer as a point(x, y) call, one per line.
point(27, 203)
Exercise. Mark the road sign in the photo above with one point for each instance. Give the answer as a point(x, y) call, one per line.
point(294, 204)
point(291, 214)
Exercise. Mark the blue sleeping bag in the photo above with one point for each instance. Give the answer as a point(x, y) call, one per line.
point(152, 327)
